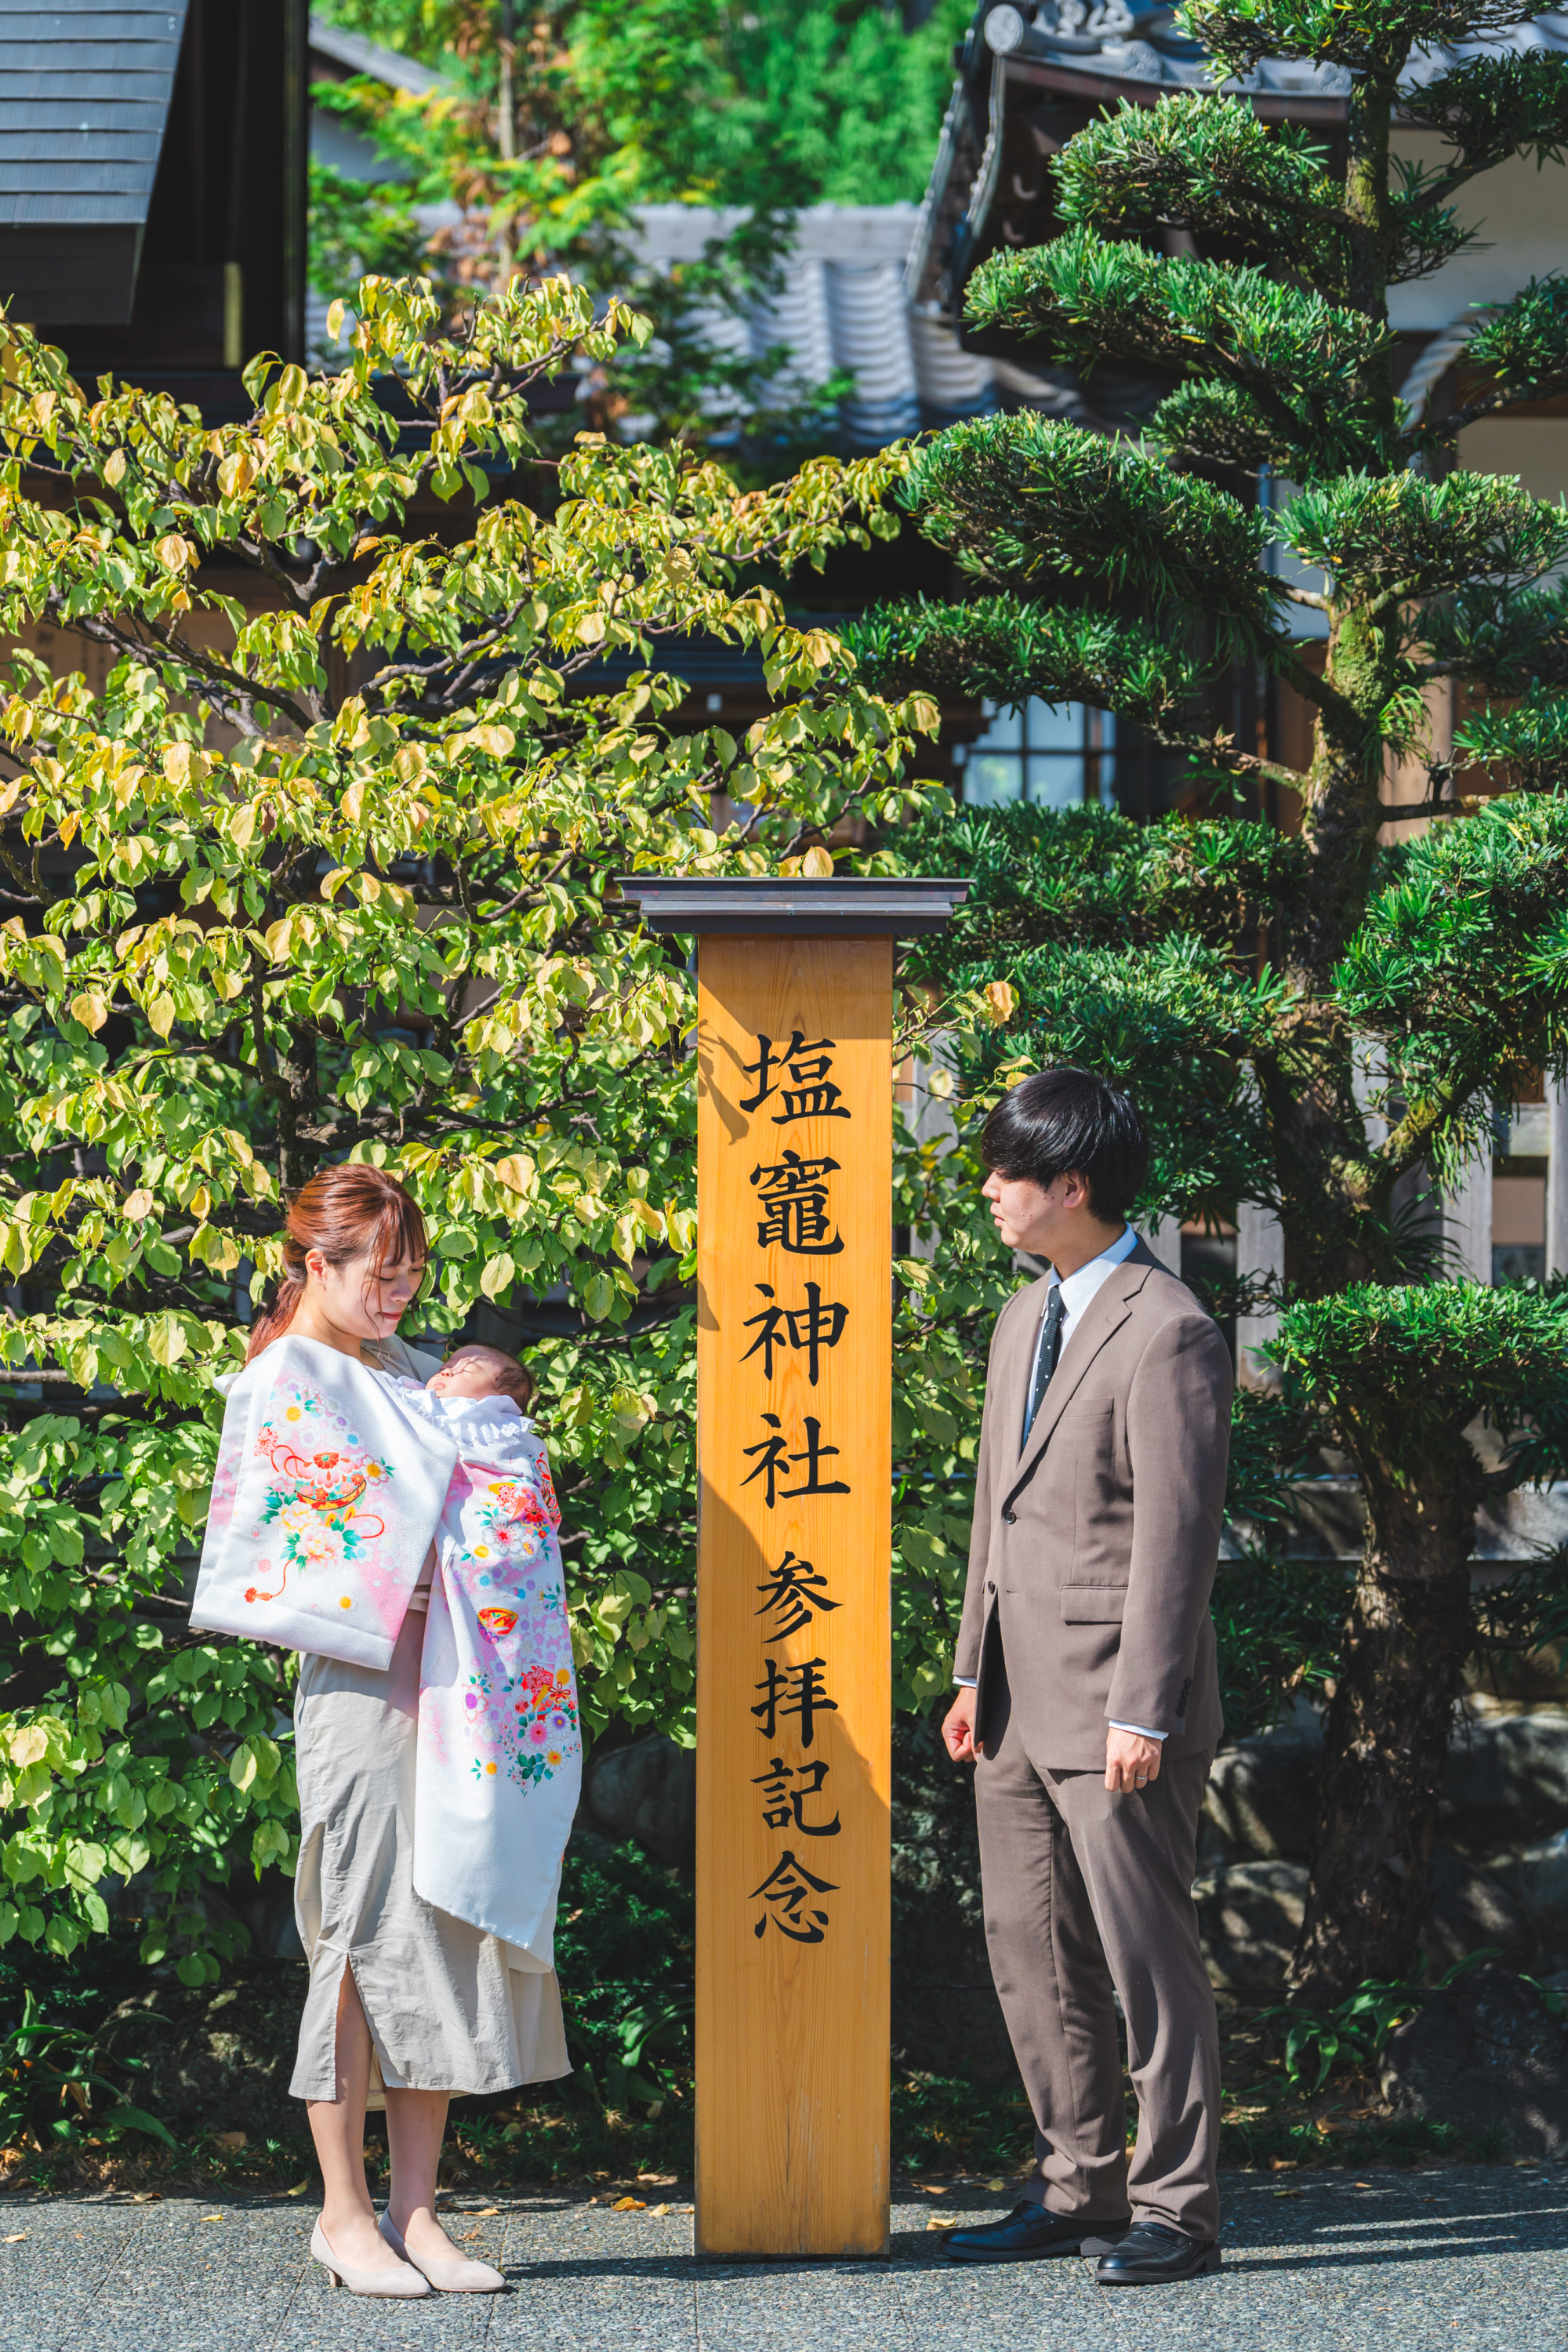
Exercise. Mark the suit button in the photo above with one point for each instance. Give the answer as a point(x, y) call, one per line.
point(990, 1588)
point(1010, 1516)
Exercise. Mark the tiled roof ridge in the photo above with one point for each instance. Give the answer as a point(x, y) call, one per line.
point(1139, 41)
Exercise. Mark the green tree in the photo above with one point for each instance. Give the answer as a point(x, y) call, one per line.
point(550, 139)
point(1315, 1023)
point(783, 103)
point(327, 870)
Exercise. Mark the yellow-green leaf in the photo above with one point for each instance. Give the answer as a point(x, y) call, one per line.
point(497, 1272)
point(166, 1340)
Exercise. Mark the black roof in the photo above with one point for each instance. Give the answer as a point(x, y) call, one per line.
point(84, 102)
point(85, 94)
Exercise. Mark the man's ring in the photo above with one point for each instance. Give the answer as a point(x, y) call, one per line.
point(1141, 1780)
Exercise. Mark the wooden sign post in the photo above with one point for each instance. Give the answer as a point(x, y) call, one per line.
point(795, 1466)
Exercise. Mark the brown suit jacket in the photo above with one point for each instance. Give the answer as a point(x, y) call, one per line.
point(1094, 1548)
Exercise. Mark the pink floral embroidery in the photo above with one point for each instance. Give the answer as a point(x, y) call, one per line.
point(519, 1708)
point(322, 1476)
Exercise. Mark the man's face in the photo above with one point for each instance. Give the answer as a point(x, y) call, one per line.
point(1033, 1217)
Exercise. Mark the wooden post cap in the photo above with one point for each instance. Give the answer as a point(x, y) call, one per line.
point(708, 906)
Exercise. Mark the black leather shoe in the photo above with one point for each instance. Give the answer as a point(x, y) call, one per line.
point(1152, 2252)
point(1028, 2232)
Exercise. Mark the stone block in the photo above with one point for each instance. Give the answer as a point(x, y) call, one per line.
point(1487, 2056)
point(1248, 1920)
point(1469, 1910)
point(648, 1792)
point(1261, 1798)
point(946, 2017)
point(216, 2057)
point(1536, 1877)
point(1505, 1784)
point(1506, 1781)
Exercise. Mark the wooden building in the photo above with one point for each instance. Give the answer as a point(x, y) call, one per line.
point(154, 185)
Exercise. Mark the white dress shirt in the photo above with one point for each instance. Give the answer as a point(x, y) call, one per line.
point(1077, 1290)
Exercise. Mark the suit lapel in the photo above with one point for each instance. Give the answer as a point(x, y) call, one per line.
point(1106, 1313)
point(1012, 1373)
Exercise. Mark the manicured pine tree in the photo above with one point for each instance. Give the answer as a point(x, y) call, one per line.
point(1315, 1023)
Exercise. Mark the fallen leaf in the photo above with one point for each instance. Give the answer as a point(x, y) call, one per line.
point(299, 2188)
point(1282, 2163)
point(941, 2222)
point(14, 2239)
point(482, 2210)
point(231, 2140)
point(933, 2190)
point(995, 2184)
point(155, 2196)
point(1360, 2184)
point(657, 2210)
point(629, 2205)
point(1290, 2192)
point(210, 2217)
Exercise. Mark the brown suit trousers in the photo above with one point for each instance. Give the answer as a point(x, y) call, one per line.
point(1092, 1558)
point(1084, 1892)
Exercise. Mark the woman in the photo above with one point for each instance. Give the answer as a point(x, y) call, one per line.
point(406, 2004)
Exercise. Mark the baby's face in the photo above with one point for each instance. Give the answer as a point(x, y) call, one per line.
point(470, 1372)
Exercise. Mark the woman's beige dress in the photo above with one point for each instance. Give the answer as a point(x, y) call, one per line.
point(449, 2007)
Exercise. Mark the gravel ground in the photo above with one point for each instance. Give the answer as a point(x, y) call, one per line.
point(1404, 2263)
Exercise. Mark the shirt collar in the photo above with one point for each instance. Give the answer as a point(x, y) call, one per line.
point(1078, 1288)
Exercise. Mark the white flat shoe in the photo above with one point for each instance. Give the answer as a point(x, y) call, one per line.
point(459, 2277)
point(405, 2281)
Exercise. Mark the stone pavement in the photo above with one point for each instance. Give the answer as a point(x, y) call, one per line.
point(1437, 2260)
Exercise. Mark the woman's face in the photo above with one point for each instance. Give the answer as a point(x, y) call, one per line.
point(359, 1299)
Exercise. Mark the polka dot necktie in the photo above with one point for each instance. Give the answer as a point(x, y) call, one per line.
point(1045, 1360)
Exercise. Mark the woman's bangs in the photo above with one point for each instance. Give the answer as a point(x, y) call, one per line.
point(400, 1235)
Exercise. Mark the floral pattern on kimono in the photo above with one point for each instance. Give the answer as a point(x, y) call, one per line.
point(520, 1702)
point(321, 1477)
point(500, 1744)
point(313, 1541)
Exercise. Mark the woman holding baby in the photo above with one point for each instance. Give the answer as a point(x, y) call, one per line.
point(408, 2003)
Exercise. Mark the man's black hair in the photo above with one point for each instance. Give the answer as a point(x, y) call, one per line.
point(1067, 1120)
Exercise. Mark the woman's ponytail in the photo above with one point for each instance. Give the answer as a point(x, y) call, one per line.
point(275, 1320)
point(347, 1212)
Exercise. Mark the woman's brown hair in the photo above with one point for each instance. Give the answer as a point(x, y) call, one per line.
point(346, 1212)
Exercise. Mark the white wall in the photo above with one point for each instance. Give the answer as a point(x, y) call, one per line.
point(1165, 1240)
point(1467, 1215)
point(1522, 214)
point(1259, 1249)
point(1534, 447)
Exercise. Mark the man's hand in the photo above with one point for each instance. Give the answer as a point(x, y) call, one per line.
point(1131, 1760)
point(958, 1729)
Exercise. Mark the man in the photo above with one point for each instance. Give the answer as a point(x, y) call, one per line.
point(1088, 1697)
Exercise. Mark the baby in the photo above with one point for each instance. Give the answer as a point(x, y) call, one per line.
point(473, 1371)
point(499, 1743)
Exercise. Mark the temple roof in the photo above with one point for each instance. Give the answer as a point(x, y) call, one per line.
point(1031, 71)
point(1140, 42)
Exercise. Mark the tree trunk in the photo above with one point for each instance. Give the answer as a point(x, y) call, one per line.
point(1405, 1643)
